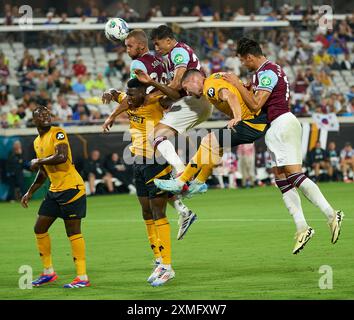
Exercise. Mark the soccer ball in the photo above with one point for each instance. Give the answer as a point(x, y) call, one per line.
point(116, 29)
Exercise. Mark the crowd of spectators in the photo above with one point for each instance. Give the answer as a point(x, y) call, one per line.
point(319, 64)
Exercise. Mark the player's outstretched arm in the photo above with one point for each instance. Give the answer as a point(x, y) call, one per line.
point(38, 181)
point(123, 106)
point(170, 91)
point(253, 102)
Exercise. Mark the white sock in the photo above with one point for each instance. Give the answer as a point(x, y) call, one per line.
point(312, 192)
point(132, 189)
point(181, 207)
point(292, 201)
point(168, 151)
point(83, 277)
point(48, 270)
point(221, 181)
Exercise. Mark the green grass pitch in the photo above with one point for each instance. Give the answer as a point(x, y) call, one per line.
point(239, 248)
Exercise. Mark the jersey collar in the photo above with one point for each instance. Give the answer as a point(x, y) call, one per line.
point(263, 64)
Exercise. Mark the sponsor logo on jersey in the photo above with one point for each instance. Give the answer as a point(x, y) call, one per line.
point(60, 136)
point(211, 92)
point(178, 59)
point(266, 81)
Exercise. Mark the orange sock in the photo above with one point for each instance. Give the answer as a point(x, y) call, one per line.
point(153, 238)
point(78, 253)
point(164, 234)
point(44, 247)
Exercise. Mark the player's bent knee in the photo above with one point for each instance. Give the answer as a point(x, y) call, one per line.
point(158, 140)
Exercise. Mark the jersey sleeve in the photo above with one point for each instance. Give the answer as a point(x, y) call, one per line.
point(267, 80)
point(180, 57)
point(59, 137)
point(136, 64)
point(121, 97)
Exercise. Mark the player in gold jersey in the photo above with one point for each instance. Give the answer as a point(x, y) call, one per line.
point(65, 199)
point(145, 112)
point(245, 126)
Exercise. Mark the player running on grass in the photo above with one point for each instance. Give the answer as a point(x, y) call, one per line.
point(137, 48)
point(283, 139)
point(66, 198)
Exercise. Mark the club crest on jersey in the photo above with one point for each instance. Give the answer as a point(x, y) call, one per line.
point(266, 81)
point(60, 136)
point(211, 92)
point(178, 59)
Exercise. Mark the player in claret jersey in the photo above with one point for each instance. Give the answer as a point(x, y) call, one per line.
point(283, 139)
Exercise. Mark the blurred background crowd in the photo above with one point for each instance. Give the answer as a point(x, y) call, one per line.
point(68, 70)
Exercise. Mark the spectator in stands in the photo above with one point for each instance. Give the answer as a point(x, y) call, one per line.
point(344, 31)
point(81, 108)
point(301, 84)
point(110, 70)
point(336, 45)
point(229, 49)
point(318, 159)
point(99, 83)
point(63, 111)
point(64, 18)
point(347, 162)
point(118, 170)
point(229, 164)
point(265, 9)
point(102, 17)
point(347, 63)
point(43, 98)
point(21, 111)
point(79, 86)
point(94, 170)
point(285, 54)
point(79, 12)
point(300, 54)
point(333, 157)
point(79, 68)
point(216, 62)
point(3, 94)
point(66, 69)
point(233, 63)
point(4, 71)
point(316, 89)
point(88, 82)
point(246, 156)
point(65, 87)
point(322, 59)
point(14, 171)
point(3, 120)
point(227, 13)
point(13, 119)
point(350, 95)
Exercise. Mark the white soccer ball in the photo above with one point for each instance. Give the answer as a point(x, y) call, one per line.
point(116, 29)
